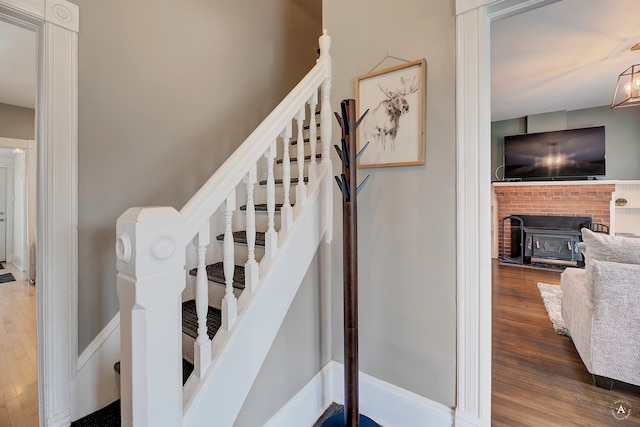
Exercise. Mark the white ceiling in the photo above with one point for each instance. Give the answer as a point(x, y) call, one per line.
point(17, 65)
point(564, 56)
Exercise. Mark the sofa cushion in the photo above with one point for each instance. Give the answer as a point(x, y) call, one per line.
point(603, 247)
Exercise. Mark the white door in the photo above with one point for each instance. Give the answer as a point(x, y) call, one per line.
point(3, 214)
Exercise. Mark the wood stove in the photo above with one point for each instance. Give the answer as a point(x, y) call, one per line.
point(549, 239)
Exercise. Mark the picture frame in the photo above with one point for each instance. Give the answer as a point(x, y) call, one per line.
point(394, 127)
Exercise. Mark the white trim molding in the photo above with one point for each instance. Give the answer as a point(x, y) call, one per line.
point(385, 403)
point(55, 23)
point(473, 121)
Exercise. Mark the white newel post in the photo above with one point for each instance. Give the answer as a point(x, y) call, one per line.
point(151, 277)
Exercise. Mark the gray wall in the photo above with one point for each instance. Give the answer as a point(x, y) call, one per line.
point(295, 357)
point(407, 251)
point(17, 122)
point(622, 133)
point(166, 92)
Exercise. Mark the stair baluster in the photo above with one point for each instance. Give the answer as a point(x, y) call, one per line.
point(229, 303)
point(313, 136)
point(286, 213)
point(251, 270)
point(271, 237)
point(202, 345)
point(301, 189)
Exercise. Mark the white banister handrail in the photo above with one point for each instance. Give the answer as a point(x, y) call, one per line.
point(207, 200)
point(155, 245)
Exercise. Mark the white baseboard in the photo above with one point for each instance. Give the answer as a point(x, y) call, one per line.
point(61, 419)
point(96, 384)
point(385, 403)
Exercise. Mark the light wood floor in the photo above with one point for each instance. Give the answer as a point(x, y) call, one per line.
point(538, 378)
point(18, 366)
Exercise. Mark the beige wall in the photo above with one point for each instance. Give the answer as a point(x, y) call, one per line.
point(407, 252)
point(166, 92)
point(17, 122)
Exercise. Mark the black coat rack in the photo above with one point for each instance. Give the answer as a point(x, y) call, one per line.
point(347, 181)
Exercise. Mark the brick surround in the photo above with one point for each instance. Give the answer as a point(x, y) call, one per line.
point(592, 200)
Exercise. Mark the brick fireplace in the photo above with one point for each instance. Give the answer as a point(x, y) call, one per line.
point(588, 198)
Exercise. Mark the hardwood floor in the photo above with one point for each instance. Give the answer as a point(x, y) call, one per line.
point(538, 378)
point(18, 365)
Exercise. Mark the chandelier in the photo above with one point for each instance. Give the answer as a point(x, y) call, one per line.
point(627, 92)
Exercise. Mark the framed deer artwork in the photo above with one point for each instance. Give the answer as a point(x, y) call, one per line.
point(394, 126)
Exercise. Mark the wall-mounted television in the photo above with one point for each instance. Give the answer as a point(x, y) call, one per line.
point(564, 154)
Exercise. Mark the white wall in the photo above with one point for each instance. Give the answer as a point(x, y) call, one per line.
point(407, 268)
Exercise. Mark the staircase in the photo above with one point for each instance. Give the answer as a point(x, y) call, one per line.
point(211, 283)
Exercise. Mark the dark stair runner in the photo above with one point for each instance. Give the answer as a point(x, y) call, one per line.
point(280, 181)
point(190, 320)
point(240, 237)
point(215, 273)
point(109, 416)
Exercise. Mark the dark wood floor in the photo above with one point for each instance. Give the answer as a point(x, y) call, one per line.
point(538, 376)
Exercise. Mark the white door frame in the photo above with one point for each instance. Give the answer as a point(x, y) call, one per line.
point(473, 142)
point(55, 23)
point(473, 164)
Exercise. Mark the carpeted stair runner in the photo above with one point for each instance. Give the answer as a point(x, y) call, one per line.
point(215, 273)
point(190, 320)
point(240, 237)
point(295, 159)
point(109, 416)
point(333, 409)
point(262, 207)
point(279, 181)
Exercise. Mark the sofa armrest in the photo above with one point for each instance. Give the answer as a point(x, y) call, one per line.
point(616, 319)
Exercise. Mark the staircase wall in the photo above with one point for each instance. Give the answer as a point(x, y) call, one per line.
point(407, 215)
point(167, 91)
point(296, 354)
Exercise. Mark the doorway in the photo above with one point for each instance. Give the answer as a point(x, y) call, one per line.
point(55, 25)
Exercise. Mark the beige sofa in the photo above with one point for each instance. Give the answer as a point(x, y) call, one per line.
point(601, 307)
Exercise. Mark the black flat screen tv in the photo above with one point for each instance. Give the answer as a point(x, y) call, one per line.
point(565, 154)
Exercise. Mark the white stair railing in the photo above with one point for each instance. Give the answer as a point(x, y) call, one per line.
point(156, 245)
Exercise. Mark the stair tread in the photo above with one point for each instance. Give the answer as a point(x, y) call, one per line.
point(262, 207)
point(295, 159)
point(280, 181)
point(241, 237)
point(215, 273)
point(305, 140)
point(190, 320)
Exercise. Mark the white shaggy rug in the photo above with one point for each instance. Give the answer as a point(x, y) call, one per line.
point(552, 298)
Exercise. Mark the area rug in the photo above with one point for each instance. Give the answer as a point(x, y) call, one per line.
point(552, 298)
point(7, 277)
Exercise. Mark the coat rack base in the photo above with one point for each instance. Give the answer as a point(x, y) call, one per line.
point(338, 420)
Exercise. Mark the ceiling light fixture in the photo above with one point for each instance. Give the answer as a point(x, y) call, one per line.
point(627, 93)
